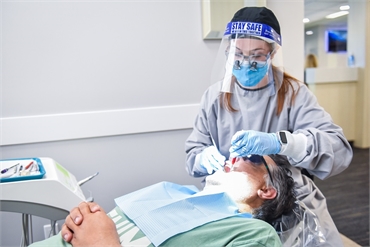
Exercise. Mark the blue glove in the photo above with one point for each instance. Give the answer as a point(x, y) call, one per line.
point(247, 142)
point(211, 160)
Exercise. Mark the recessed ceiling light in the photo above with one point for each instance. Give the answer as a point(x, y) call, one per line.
point(305, 20)
point(344, 7)
point(309, 32)
point(336, 14)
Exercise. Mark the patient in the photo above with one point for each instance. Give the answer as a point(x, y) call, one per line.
point(259, 188)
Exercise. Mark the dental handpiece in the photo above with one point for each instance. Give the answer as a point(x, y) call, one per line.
point(87, 179)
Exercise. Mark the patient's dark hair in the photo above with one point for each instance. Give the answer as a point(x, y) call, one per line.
point(284, 202)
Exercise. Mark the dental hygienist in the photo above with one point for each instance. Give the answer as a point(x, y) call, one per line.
point(257, 108)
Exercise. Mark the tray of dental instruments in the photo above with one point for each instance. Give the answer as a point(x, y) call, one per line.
point(21, 169)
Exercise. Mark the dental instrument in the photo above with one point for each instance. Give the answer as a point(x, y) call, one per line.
point(81, 182)
point(7, 169)
point(19, 171)
point(8, 174)
point(29, 165)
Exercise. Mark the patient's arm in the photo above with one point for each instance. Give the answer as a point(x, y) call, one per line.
point(92, 228)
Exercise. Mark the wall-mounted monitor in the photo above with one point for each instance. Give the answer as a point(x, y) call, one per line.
point(336, 40)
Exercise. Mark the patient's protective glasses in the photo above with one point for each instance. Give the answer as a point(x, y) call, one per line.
point(258, 159)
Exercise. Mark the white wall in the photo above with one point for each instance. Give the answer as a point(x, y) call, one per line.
point(290, 15)
point(356, 28)
point(67, 65)
point(63, 60)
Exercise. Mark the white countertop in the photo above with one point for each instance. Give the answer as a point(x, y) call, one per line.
point(331, 75)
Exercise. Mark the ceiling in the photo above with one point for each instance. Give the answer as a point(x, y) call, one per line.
point(316, 10)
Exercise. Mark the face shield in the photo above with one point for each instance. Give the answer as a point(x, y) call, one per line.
point(250, 57)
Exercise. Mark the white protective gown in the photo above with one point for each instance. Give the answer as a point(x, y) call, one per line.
point(328, 151)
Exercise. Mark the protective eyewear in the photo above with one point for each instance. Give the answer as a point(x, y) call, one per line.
point(254, 61)
point(257, 160)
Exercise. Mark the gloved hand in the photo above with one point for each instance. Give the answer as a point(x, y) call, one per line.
point(247, 142)
point(211, 160)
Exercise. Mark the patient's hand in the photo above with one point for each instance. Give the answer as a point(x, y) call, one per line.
point(84, 227)
point(76, 216)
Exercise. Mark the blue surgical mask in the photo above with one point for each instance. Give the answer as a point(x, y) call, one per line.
point(248, 77)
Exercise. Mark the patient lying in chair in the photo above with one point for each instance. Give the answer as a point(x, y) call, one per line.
point(236, 208)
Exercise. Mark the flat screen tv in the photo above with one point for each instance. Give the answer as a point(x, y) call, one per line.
point(336, 40)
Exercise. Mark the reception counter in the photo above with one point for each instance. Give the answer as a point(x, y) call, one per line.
point(335, 89)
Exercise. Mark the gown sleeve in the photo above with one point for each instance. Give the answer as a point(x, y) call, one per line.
point(200, 137)
point(328, 151)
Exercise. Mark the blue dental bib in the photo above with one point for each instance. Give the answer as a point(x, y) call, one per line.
point(166, 209)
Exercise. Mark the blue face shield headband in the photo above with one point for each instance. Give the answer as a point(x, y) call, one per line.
point(258, 30)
